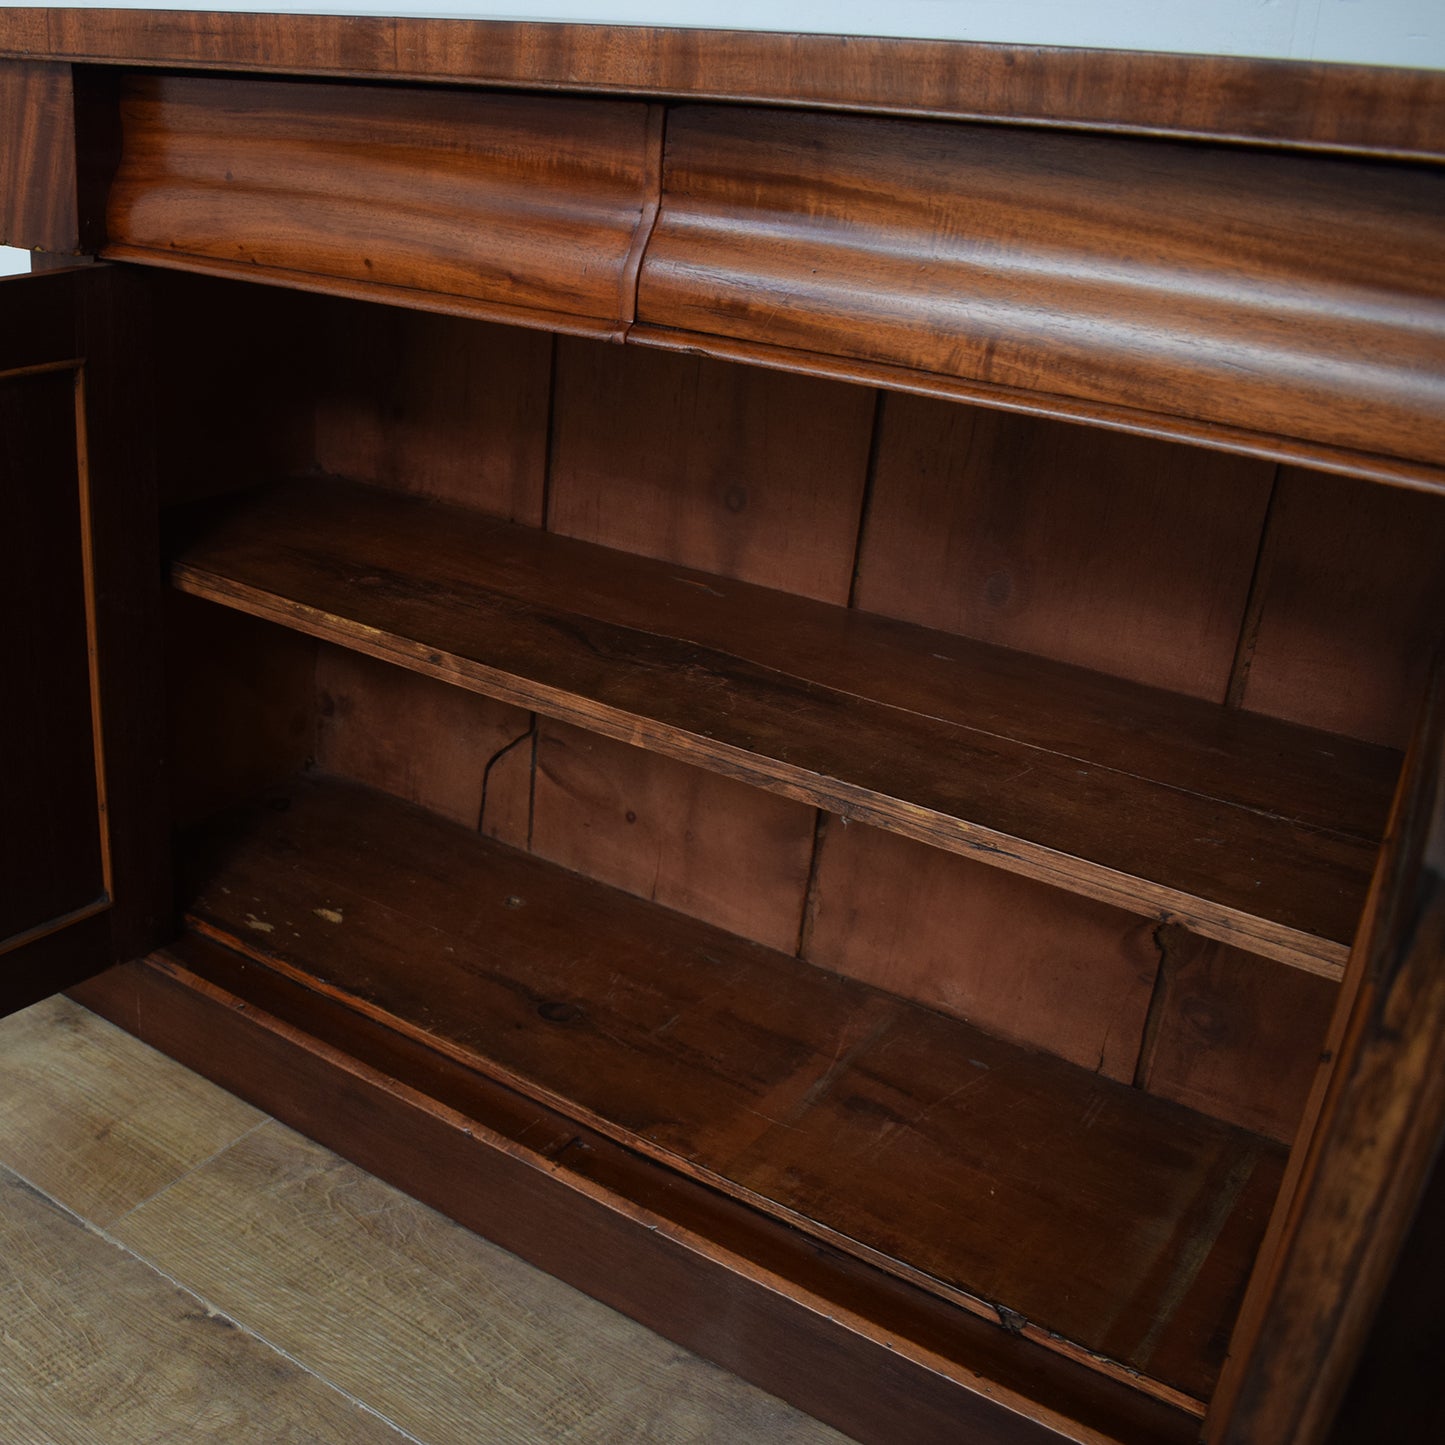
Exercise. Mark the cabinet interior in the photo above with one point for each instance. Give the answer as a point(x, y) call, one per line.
point(939, 829)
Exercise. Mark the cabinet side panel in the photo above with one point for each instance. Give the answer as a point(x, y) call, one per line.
point(38, 201)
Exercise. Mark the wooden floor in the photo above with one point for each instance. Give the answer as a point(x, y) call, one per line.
point(174, 1265)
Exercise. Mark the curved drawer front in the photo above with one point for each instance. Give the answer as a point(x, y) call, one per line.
point(1298, 296)
point(528, 207)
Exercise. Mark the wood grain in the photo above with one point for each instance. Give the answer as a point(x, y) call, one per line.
point(1118, 553)
point(39, 203)
point(844, 1341)
point(1348, 107)
point(96, 1121)
point(1370, 1159)
point(99, 1346)
point(705, 845)
point(419, 740)
point(1352, 606)
point(728, 469)
point(526, 208)
point(1184, 281)
point(821, 704)
point(342, 1271)
point(738, 1065)
point(1234, 1038)
point(1013, 957)
point(432, 405)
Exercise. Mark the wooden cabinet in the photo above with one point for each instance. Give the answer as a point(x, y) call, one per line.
point(856, 824)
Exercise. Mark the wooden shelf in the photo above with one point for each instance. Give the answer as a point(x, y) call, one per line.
point(1256, 832)
point(1090, 1217)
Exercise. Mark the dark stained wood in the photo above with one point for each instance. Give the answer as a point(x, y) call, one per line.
point(1281, 102)
point(433, 405)
point(84, 731)
point(242, 704)
point(857, 1116)
point(1043, 262)
point(523, 209)
point(421, 741)
point(706, 845)
point(1233, 1037)
point(844, 1341)
point(728, 469)
point(232, 392)
point(1370, 1160)
point(823, 705)
point(1117, 553)
point(51, 840)
point(1397, 1392)
point(39, 203)
point(1009, 955)
point(1352, 606)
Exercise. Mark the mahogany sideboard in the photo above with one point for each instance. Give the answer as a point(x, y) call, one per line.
point(791, 674)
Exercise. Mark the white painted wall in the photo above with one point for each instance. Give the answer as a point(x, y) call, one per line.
point(1376, 32)
point(13, 262)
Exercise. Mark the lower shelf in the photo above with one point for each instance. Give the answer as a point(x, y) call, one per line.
point(1077, 1214)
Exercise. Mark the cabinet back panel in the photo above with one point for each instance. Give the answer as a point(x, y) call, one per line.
point(1235, 1036)
point(242, 699)
point(434, 406)
point(423, 741)
point(1008, 954)
point(1118, 553)
point(691, 840)
point(745, 473)
point(1351, 606)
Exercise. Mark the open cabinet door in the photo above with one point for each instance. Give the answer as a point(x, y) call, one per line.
point(82, 827)
point(1362, 1217)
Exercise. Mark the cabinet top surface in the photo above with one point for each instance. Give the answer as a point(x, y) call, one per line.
point(1310, 104)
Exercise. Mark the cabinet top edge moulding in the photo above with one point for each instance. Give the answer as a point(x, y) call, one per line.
point(1313, 105)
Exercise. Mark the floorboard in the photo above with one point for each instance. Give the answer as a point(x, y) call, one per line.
point(179, 1267)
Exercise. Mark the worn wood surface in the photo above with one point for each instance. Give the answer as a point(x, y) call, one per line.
point(1370, 1158)
point(723, 468)
point(101, 1347)
point(39, 202)
point(883, 722)
point(526, 208)
point(343, 1272)
point(1114, 552)
point(1285, 102)
point(97, 1123)
point(1233, 1037)
point(1191, 282)
point(846, 1342)
point(1011, 956)
point(1351, 606)
point(738, 1065)
point(706, 845)
point(421, 741)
